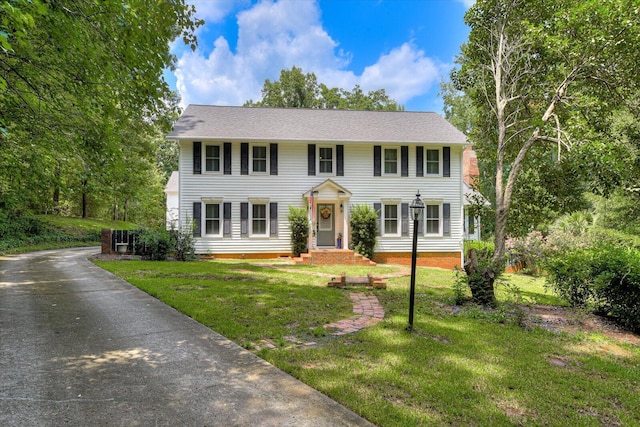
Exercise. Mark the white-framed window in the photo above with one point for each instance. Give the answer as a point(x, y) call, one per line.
point(391, 220)
point(326, 159)
point(212, 220)
point(259, 158)
point(432, 161)
point(391, 158)
point(433, 217)
point(259, 224)
point(212, 158)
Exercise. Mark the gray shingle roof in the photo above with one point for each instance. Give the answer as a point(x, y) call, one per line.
point(280, 124)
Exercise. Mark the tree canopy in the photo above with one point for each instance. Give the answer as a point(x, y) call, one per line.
point(83, 102)
point(298, 90)
point(545, 80)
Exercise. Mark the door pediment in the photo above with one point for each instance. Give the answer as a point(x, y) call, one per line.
point(328, 190)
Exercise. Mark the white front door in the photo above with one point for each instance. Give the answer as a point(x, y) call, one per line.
point(326, 225)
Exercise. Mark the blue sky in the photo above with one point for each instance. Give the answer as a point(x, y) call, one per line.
point(403, 46)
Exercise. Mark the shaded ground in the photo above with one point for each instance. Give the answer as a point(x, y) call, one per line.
point(566, 319)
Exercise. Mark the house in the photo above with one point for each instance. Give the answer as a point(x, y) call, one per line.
point(242, 168)
point(173, 204)
point(471, 195)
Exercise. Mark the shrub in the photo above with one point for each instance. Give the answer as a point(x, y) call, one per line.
point(154, 243)
point(299, 227)
point(364, 227)
point(527, 251)
point(183, 243)
point(605, 277)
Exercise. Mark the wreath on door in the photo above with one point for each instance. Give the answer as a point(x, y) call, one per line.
point(325, 213)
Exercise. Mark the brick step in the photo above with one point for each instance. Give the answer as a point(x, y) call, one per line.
point(333, 257)
point(367, 281)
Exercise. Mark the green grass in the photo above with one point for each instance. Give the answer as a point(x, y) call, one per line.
point(471, 368)
point(75, 225)
point(44, 232)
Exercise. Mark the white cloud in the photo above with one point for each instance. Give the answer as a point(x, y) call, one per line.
point(275, 36)
point(404, 73)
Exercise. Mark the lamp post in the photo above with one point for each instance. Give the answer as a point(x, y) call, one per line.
point(416, 213)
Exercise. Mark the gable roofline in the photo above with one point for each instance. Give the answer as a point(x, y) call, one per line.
point(325, 184)
point(209, 122)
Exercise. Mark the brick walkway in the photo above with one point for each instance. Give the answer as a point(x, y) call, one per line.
point(368, 312)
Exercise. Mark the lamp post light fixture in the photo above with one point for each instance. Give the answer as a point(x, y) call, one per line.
point(417, 207)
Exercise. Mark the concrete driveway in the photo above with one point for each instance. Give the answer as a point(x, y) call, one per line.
point(80, 347)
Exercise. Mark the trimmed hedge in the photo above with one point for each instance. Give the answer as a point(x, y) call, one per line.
point(364, 228)
point(605, 278)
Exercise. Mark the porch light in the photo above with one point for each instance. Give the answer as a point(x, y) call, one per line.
point(417, 207)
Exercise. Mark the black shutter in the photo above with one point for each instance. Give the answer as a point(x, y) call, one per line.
point(404, 207)
point(446, 160)
point(197, 219)
point(446, 219)
point(226, 227)
point(197, 157)
point(377, 160)
point(378, 208)
point(273, 159)
point(404, 160)
point(311, 159)
point(227, 158)
point(419, 161)
point(340, 160)
point(273, 219)
point(244, 219)
point(244, 158)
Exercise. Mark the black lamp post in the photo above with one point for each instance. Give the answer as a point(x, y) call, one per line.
point(416, 213)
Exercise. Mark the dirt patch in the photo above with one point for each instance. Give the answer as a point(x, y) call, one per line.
point(566, 319)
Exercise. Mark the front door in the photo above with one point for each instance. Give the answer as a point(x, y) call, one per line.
point(326, 225)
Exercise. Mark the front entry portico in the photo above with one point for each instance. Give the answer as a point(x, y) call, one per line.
point(328, 210)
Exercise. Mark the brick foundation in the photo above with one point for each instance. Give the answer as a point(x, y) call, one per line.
point(269, 255)
point(446, 260)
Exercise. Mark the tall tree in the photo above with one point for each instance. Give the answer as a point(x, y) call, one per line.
point(542, 77)
point(81, 85)
point(298, 90)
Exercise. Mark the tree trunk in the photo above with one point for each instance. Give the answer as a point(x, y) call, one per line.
point(480, 282)
point(84, 199)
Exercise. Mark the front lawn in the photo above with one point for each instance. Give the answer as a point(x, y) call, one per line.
point(458, 367)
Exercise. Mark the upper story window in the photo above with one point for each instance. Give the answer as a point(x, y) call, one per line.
point(432, 161)
point(390, 161)
point(325, 160)
point(212, 158)
point(259, 158)
point(212, 219)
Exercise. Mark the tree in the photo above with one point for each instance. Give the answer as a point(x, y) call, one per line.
point(298, 90)
point(542, 76)
point(83, 99)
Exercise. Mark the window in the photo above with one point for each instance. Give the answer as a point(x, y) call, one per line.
point(212, 158)
point(391, 161)
point(212, 219)
point(259, 158)
point(325, 160)
point(433, 162)
point(391, 219)
point(433, 219)
point(259, 219)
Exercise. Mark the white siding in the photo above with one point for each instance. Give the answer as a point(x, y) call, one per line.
point(292, 181)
